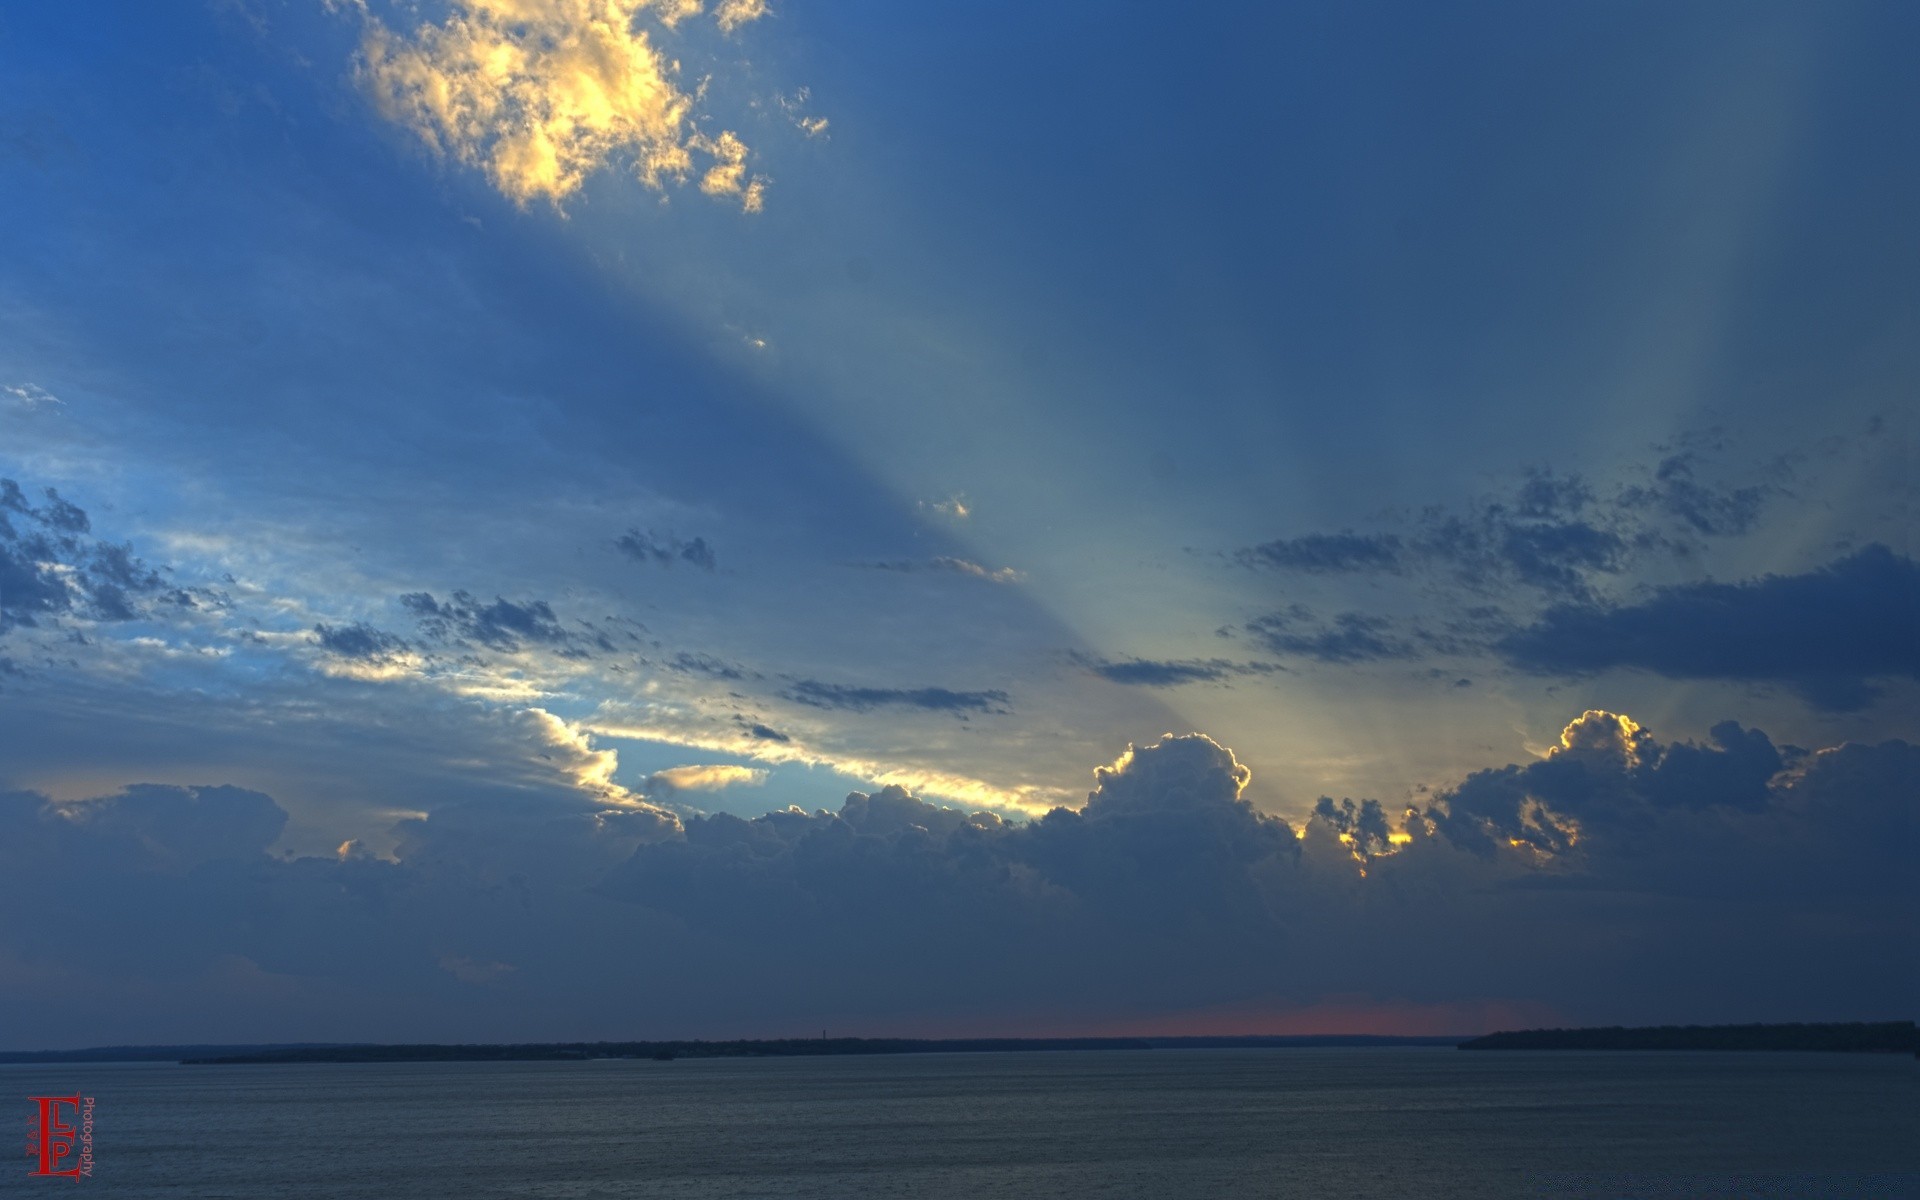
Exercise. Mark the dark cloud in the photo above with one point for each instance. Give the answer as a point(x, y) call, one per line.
point(1548, 532)
point(502, 625)
point(1141, 672)
point(1327, 553)
point(1349, 638)
point(1705, 509)
point(1165, 857)
point(760, 732)
point(1828, 633)
point(50, 568)
point(1708, 879)
point(688, 663)
point(861, 699)
point(666, 550)
point(359, 640)
point(1363, 827)
point(1608, 778)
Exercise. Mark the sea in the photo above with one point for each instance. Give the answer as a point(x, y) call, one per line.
point(1306, 1124)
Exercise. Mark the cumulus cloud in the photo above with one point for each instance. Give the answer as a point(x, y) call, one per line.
point(1607, 776)
point(1828, 634)
point(538, 94)
point(590, 769)
point(1732, 878)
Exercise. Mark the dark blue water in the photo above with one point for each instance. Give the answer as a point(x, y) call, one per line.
point(1161, 1123)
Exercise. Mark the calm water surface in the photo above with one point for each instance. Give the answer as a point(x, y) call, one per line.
point(1158, 1123)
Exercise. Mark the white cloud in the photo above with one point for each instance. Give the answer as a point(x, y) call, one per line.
point(28, 395)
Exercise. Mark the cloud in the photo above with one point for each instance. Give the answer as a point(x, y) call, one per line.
point(732, 14)
point(710, 777)
point(50, 568)
point(1140, 672)
point(591, 770)
point(1705, 509)
point(32, 396)
point(650, 547)
point(947, 564)
point(502, 625)
point(1350, 638)
point(538, 94)
point(795, 106)
point(816, 694)
point(1735, 878)
point(1607, 777)
point(359, 641)
point(1363, 827)
point(1552, 533)
point(1828, 634)
point(954, 507)
point(1327, 553)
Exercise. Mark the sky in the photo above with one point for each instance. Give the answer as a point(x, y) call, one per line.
point(535, 519)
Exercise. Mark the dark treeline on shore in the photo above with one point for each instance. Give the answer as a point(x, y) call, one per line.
point(779, 1048)
point(1885, 1037)
point(738, 1048)
point(1870, 1037)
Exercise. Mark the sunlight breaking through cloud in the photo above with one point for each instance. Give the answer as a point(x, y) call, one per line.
point(539, 94)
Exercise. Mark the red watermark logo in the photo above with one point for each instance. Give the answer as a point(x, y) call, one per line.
point(62, 1142)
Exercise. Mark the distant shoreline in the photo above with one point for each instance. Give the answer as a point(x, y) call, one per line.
point(210, 1055)
point(1861, 1037)
point(1884, 1037)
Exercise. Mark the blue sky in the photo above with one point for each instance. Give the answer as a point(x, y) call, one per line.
point(432, 419)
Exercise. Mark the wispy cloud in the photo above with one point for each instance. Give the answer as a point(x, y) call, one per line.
point(948, 564)
point(1145, 672)
point(29, 395)
point(709, 777)
point(954, 506)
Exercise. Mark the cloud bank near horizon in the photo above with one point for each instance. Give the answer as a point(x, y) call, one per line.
point(1617, 878)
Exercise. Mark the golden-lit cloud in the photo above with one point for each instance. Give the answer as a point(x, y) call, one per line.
point(711, 777)
point(732, 14)
point(795, 108)
point(586, 767)
point(538, 94)
point(678, 727)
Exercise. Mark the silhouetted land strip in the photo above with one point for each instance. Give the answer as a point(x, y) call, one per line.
point(120, 1054)
point(1882, 1037)
point(771, 1048)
